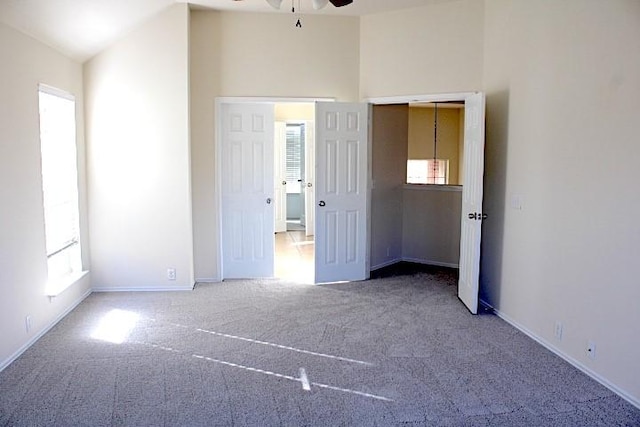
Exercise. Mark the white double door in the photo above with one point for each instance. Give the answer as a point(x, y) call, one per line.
point(341, 191)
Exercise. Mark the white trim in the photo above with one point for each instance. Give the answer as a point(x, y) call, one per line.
point(386, 264)
point(406, 99)
point(176, 288)
point(33, 340)
point(56, 92)
point(415, 261)
point(430, 262)
point(269, 100)
point(208, 280)
point(59, 285)
point(575, 363)
point(433, 187)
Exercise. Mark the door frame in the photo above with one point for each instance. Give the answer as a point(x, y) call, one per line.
point(218, 154)
point(439, 97)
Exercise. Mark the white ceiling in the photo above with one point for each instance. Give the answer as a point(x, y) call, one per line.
point(82, 28)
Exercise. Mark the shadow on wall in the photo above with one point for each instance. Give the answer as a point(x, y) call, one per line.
point(494, 203)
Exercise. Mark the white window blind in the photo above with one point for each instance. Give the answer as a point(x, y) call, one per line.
point(59, 181)
point(295, 157)
point(295, 139)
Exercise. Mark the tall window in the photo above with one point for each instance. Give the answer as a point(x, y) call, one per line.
point(295, 157)
point(59, 181)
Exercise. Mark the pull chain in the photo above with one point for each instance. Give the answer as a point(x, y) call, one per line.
point(293, 10)
point(435, 132)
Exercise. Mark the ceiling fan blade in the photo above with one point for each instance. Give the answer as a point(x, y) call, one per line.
point(340, 3)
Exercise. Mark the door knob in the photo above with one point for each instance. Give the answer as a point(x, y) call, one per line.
point(284, 182)
point(322, 203)
point(478, 216)
point(309, 184)
point(269, 200)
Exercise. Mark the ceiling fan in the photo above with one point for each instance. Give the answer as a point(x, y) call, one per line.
point(317, 4)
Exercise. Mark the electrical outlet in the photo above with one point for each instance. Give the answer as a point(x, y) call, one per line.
point(517, 201)
point(27, 323)
point(171, 273)
point(591, 349)
point(558, 331)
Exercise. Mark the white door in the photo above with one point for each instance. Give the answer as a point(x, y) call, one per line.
point(342, 199)
point(280, 182)
point(310, 167)
point(247, 190)
point(472, 216)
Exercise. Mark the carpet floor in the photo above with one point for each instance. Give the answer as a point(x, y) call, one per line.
point(392, 351)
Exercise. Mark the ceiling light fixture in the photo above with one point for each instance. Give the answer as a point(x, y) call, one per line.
point(317, 4)
point(275, 3)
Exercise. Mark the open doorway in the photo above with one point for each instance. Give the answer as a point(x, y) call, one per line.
point(294, 195)
point(432, 189)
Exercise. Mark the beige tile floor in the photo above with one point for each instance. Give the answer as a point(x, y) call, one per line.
point(295, 256)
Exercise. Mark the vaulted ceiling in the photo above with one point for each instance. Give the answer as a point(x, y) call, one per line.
point(82, 28)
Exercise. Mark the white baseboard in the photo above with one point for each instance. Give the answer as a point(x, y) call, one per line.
point(177, 288)
point(209, 280)
point(386, 264)
point(415, 261)
point(47, 328)
point(429, 262)
point(549, 346)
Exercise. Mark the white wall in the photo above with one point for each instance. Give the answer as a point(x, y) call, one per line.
point(426, 50)
point(264, 55)
point(565, 76)
point(137, 104)
point(23, 260)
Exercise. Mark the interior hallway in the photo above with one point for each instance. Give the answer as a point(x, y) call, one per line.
point(295, 255)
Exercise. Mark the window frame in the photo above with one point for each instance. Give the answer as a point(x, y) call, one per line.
point(60, 189)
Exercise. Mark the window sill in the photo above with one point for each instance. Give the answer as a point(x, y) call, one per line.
point(58, 286)
point(433, 187)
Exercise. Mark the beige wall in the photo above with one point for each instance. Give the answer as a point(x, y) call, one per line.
point(562, 93)
point(560, 79)
point(23, 259)
point(431, 225)
point(138, 157)
point(421, 134)
point(204, 79)
point(389, 171)
point(426, 50)
point(294, 111)
point(321, 61)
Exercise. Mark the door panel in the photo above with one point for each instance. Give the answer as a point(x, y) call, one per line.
point(472, 193)
point(342, 193)
point(247, 190)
